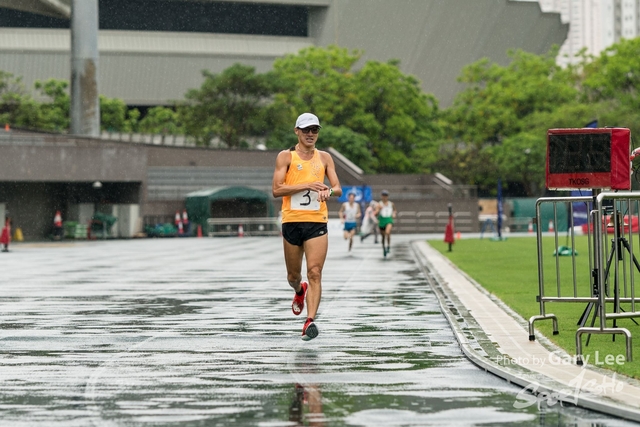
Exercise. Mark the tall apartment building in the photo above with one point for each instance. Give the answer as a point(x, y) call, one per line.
point(594, 24)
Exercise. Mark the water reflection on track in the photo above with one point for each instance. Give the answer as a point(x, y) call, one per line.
point(200, 332)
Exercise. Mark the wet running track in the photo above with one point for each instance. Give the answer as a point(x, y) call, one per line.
point(199, 332)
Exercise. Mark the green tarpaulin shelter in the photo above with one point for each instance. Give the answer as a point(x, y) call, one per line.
point(227, 202)
point(526, 208)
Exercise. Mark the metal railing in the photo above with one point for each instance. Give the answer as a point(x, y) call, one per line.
point(250, 226)
point(432, 221)
point(613, 266)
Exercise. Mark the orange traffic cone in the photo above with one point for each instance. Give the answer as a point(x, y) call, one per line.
point(458, 235)
point(6, 127)
point(530, 228)
point(177, 218)
point(551, 225)
point(199, 230)
point(180, 228)
point(240, 231)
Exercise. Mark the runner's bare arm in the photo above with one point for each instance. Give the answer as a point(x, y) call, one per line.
point(332, 176)
point(341, 212)
point(279, 188)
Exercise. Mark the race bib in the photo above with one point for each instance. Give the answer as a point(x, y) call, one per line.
point(305, 201)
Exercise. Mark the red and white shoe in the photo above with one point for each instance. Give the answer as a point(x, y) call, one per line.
point(309, 331)
point(298, 301)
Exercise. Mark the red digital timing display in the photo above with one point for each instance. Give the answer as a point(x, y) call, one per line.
point(588, 158)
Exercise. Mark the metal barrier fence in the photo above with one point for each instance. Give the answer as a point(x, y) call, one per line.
point(613, 266)
point(433, 222)
point(250, 226)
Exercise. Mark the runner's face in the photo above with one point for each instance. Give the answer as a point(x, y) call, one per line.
point(307, 140)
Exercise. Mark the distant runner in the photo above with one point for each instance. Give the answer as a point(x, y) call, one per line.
point(386, 214)
point(349, 214)
point(299, 179)
point(370, 222)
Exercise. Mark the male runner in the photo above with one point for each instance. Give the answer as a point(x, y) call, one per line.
point(299, 179)
point(349, 214)
point(386, 214)
point(370, 222)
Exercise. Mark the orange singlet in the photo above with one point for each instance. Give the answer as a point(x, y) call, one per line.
point(304, 206)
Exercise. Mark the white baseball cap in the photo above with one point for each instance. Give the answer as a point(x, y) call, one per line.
point(307, 119)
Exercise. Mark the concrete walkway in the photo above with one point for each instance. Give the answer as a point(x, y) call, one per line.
point(496, 338)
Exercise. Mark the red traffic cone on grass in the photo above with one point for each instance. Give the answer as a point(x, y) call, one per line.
point(199, 234)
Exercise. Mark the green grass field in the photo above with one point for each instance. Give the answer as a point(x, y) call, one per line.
point(509, 270)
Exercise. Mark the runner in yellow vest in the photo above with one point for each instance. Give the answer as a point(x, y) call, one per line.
point(299, 179)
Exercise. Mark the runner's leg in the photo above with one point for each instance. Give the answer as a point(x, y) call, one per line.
point(387, 231)
point(315, 252)
point(293, 261)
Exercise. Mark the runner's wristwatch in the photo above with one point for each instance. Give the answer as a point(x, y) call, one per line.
point(330, 192)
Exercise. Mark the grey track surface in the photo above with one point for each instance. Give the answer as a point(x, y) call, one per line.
point(200, 332)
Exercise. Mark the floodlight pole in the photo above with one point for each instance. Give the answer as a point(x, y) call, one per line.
point(85, 101)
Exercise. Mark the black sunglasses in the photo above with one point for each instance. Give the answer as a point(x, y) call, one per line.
point(313, 130)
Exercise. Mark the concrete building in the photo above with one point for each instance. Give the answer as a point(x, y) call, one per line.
point(146, 183)
point(153, 51)
point(594, 24)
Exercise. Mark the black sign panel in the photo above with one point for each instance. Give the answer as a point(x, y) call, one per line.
point(579, 153)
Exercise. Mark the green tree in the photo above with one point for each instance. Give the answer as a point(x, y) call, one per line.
point(115, 116)
point(401, 121)
point(521, 158)
point(53, 115)
point(377, 101)
point(498, 98)
point(17, 107)
point(162, 120)
point(231, 106)
point(503, 107)
point(615, 74)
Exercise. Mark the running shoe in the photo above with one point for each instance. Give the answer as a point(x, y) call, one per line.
point(309, 331)
point(298, 301)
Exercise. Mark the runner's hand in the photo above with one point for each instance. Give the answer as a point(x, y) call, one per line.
point(323, 195)
point(318, 187)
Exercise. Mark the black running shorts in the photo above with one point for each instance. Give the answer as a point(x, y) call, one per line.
point(297, 233)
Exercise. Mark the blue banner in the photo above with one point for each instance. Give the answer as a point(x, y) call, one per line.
point(362, 192)
point(580, 209)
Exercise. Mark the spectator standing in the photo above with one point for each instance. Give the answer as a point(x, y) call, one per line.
point(5, 236)
point(58, 231)
point(185, 222)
